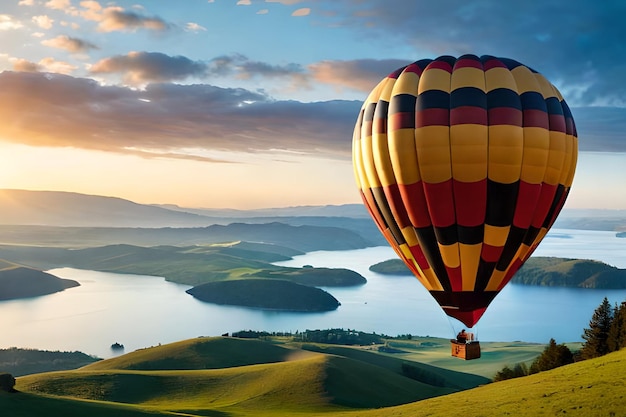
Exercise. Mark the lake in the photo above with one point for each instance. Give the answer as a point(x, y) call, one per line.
point(142, 311)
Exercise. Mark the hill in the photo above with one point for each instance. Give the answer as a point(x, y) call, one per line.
point(304, 238)
point(213, 376)
point(190, 265)
point(57, 208)
point(20, 362)
point(236, 377)
point(559, 272)
point(21, 282)
point(269, 294)
point(544, 271)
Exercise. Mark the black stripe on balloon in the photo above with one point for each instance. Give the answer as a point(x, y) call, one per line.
point(447, 235)
point(569, 120)
point(385, 211)
point(432, 99)
point(510, 63)
point(471, 235)
point(468, 96)
point(430, 248)
point(382, 109)
point(503, 97)
point(554, 106)
point(483, 275)
point(402, 103)
point(531, 235)
point(558, 195)
point(464, 300)
point(501, 202)
point(368, 113)
point(532, 100)
point(513, 242)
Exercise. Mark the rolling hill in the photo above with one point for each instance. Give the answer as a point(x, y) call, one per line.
point(544, 271)
point(239, 377)
point(17, 281)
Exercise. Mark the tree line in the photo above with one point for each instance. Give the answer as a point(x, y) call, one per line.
point(606, 333)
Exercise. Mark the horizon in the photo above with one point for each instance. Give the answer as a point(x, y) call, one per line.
point(251, 104)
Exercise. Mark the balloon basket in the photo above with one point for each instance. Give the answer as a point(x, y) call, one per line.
point(465, 350)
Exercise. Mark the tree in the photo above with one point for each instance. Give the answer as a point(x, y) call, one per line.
point(519, 370)
point(617, 332)
point(552, 357)
point(7, 382)
point(597, 335)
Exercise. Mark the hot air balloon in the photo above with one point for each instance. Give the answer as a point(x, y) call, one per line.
point(464, 164)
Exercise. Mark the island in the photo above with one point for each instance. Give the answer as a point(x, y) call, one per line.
point(544, 271)
point(272, 294)
point(22, 282)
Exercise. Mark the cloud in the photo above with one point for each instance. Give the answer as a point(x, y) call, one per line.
point(115, 18)
point(359, 74)
point(263, 11)
point(194, 27)
point(43, 21)
point(578, 45)
point(8, 23)
point(167, 120)
point(305, 11)
point(67, 43)
point(144, 67)
point(57, 110)
point(47, 64)
point(58, 4)
point(285, 2)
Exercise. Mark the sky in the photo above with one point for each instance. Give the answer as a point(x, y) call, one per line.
point(251, 103)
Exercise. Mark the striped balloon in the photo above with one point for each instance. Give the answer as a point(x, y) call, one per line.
point(464, 164)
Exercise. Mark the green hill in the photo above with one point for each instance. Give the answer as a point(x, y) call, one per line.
point(17, 281)
point(258, 378)
point(210, 376)
point(271, 294)
point(544, 271)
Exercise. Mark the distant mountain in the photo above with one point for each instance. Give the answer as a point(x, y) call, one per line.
point(20, 282)
point(56, 208)
point(356, 211)
point(59, 208)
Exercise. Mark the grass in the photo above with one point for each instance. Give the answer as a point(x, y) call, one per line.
point(260, 378)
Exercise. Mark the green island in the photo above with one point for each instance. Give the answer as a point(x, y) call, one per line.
point(266, 294)
point(235, 273)
point(334, 373)
point(544, 271)
point(17, 281)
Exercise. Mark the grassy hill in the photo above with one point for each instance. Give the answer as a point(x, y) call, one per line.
point(229, 376)
point(240, 377)
point(17, 281)
point(544, 271)
point(266, 294)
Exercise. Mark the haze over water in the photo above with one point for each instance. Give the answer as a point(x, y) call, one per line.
point(140, 311)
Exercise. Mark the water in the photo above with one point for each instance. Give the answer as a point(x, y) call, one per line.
point(140, 311)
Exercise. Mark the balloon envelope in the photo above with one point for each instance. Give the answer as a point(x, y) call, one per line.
point(464, 164)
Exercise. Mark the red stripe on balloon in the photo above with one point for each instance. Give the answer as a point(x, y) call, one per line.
point(505, 116)
point(415, 203)
point(432, 117)
point(468, 115)
point(470, 199)
point(527, 199)
point(440, 201)
point(491, 253)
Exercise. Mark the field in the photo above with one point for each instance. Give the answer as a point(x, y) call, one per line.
point(225, 376)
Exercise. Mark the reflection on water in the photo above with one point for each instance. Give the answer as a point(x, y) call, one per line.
point(139, 311)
